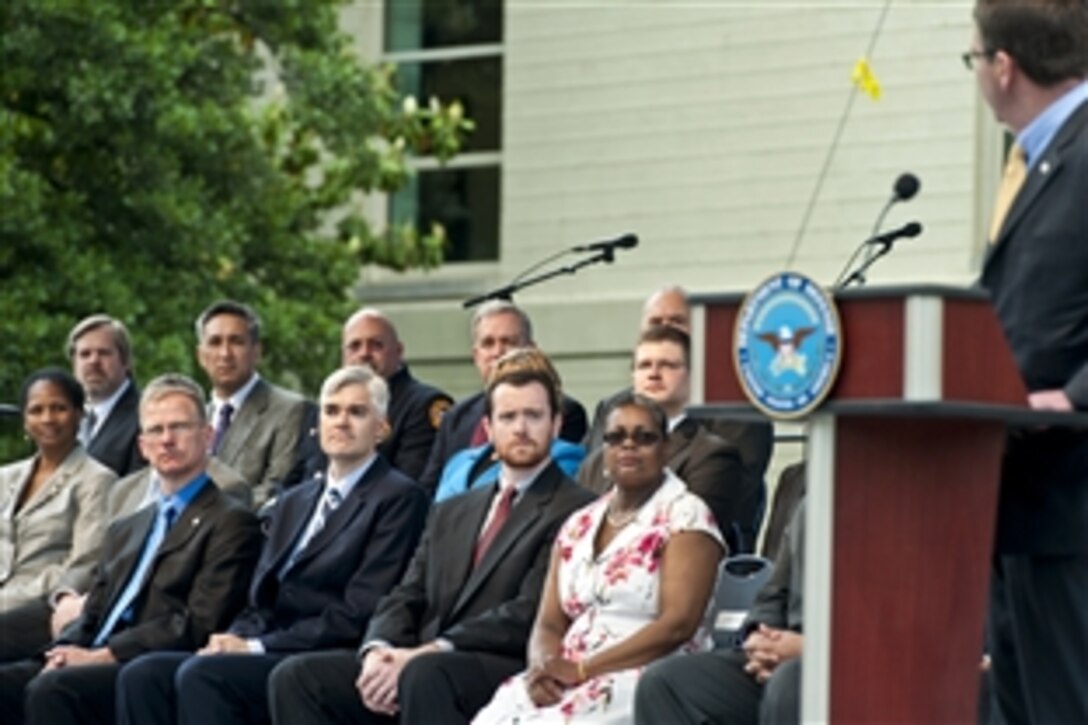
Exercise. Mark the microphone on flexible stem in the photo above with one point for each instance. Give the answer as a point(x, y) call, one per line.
point(905, 188)
point(627, 241)
point(907, 231)
point(604, 251)
point(882, 243)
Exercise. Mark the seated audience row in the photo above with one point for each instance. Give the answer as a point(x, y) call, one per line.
point(189, 687)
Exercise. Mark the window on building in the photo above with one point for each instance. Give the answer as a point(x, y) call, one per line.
point(452, 49)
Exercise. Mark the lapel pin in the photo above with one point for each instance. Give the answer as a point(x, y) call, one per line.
point(196, 521)
point(1044, 167)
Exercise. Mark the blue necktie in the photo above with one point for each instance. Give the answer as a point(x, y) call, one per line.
point(122, 608)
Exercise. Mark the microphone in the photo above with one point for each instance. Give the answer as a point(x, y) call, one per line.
point(627, 241)
point(906, 186)
point(907, 231)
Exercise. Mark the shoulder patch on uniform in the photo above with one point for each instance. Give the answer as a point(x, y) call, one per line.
point(438, 408)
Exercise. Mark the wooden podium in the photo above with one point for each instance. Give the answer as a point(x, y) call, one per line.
point(903, 468)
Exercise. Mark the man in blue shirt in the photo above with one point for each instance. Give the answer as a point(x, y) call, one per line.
point(170, 574)
point(1031, 64)
point(337, 543)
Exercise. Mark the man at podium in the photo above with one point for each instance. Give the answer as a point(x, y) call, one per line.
point(1031, 63)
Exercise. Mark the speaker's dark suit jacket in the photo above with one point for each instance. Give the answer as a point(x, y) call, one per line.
point(710, 467)
point(1037, 275)
point(460, 421)
point(115, 445)
point(326, 597)
point(491, 607)
point(195, 586)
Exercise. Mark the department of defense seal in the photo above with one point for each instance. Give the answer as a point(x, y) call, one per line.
point(787, 345)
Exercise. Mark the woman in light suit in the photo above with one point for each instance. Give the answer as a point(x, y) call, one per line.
point(52, 505)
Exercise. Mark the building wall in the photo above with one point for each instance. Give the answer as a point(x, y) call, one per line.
point(703, 127)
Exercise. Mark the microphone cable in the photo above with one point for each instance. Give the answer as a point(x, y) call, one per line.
point(834, 143)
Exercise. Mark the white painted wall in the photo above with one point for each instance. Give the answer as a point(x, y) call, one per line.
point(702, 127)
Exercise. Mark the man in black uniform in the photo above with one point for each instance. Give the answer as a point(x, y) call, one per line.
point(415, 408)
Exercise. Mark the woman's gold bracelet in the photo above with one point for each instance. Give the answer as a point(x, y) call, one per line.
point(582, 671)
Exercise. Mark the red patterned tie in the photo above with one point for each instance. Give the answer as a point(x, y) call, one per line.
point(494, 526)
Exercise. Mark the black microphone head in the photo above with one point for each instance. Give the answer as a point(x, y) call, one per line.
point(627, 241)
point(912, 229)
point(906, 186)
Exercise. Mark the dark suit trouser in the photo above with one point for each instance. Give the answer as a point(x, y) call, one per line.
point(1039, 638)
point(230, 688)
point(444, 688)
point(318, 687)
point(75, 695)
point(24, 631)
point(451, 687)
point(713, 687)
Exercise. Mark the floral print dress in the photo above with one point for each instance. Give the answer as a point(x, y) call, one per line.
point(608, 598)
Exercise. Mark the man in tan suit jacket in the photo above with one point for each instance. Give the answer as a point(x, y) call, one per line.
point(257, 424)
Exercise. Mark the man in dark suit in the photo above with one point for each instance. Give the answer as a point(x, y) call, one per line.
point(759, 683)
point(669, 306)
point(169, 575)
point(459, 621)
point(336, 545)
point(101, 356)
point(497, 327)
point(1031, 64)
point(415, 408)
point(42, 622)
point(256, 424)
point(710, 466)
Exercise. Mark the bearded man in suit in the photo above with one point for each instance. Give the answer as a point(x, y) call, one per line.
point(497, 328)
point(457, 624)
point(169, 575)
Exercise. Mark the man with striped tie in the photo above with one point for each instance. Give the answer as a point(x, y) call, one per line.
point(169, 576)
point(336, 544)
point(458, 623)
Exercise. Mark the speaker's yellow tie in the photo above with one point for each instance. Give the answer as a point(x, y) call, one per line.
point(1016, 170)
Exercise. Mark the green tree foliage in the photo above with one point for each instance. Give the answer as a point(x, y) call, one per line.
point(156, 155)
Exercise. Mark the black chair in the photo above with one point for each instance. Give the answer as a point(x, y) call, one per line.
point(739, 580)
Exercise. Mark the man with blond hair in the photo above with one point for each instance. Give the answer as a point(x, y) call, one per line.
point(169, 575)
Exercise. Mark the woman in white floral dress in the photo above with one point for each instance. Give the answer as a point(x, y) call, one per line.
point(630, 581)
